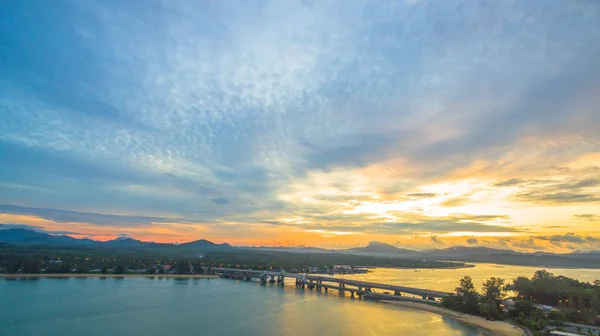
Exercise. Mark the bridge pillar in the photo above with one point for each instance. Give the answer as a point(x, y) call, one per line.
point(272, 279)
point(397, 293)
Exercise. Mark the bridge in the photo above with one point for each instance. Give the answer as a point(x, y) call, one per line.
point(319, 282)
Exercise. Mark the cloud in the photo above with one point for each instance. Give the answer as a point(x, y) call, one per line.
point(421, 224)
point(571, 238)
point(436, 240)
point(587, 217)
point(376, 100)
point(35, 228)
point(456, 201)
point(421, 195)
point(472, 241)
point(556, 198)
point(526, 244)
point(509, 183)
point(221, 200)
point(571, 191)
point(78, 217)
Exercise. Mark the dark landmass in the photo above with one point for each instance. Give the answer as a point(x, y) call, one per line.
point(374, 254)
point(30, 252)
point(486, 255)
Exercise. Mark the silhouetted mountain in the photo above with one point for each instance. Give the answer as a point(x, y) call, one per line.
point(128, 242)
point(19, 236)
point(379, 247)
point(30, 237)
point(586, 254)
point(203, 243)
point(465, 251)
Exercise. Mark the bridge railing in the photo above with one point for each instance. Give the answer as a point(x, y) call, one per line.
point(342, 282)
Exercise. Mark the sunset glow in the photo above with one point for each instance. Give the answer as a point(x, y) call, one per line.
point(298, 123)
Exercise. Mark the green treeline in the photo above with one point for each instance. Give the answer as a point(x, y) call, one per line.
point(33, 259)
point(573, 301)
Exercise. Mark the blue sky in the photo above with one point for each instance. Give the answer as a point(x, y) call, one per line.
point(261, 121)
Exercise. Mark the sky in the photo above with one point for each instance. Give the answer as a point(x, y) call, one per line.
point(422, 124)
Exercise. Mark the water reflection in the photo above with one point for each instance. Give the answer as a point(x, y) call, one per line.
point(447, 279)
point(137, 306)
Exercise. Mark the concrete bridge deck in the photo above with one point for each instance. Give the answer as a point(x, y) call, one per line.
point(341, 283)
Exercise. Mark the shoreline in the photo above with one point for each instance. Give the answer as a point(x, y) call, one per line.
point(496, 328)
point(108, 275)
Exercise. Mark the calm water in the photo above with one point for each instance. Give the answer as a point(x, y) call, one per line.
point(447, 280)
point(135, 306)
point(140, 306)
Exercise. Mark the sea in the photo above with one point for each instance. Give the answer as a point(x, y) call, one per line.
point(169, 306)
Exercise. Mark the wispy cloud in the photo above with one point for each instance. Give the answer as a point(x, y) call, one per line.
point(81, 217)
point(393, 117)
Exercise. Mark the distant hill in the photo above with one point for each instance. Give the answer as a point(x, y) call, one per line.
point(465, 251)
point(586, 254)
point(376, 247)
point(579, 259)
point(128, 242)
point(30, 237)
point(203, 244)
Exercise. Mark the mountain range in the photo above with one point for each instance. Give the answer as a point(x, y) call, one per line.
point(31, 237)
point(19, 236)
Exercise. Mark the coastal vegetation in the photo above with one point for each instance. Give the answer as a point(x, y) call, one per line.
point(534, 303)
point(53, 259)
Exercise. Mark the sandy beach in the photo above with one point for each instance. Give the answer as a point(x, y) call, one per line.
point(110, 275)
point(498, 328)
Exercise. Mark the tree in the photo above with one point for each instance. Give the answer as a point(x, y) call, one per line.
point(198, 269)
point(465, 287)
point(542, 275)
point(522, 307)
point(104, 270)
point(524, 287)
point(466, 290)
point(494, 292)
point(556, 315)
point(31, 267)
point(82, 269)
point(151, 270)
point(490, 310)
point(453, 302)
point(182, 267)
point(13, 267)
point(119, 269)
